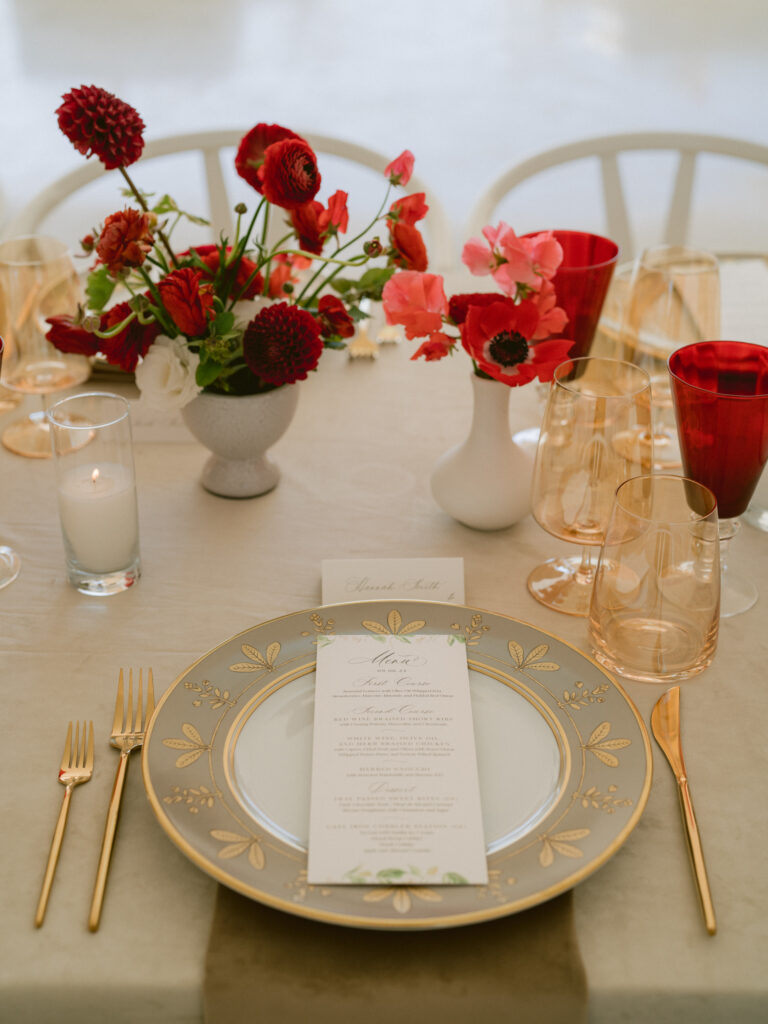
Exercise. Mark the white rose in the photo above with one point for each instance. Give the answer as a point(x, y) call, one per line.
point(166, 375)
point(247, 309)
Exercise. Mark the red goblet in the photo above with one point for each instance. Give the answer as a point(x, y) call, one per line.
point(720, 394)
point(581, 284)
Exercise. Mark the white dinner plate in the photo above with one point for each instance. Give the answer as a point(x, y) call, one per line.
point(563, 758)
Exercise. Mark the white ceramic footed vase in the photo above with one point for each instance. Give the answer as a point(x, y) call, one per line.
point(238, 430)
point(485, 482)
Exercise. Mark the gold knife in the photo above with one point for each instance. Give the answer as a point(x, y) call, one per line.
point(665, 722)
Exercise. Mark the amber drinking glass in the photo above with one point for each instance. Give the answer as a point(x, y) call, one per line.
point(674, 300)
point(720, 394)
point(656, 600)
point(37, 280)
point(591, 440)
point(9, 560)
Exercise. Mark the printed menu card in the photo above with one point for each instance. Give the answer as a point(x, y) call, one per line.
point(395, 796)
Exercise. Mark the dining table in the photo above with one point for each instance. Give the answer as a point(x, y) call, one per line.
point(355, 469)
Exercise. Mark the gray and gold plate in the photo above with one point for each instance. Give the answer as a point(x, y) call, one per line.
point(563, 758)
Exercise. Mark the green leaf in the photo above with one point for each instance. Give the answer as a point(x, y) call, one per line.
point(207, 372)
point(342, 284)
point(99, 288)
point(224, 324)
point(390, 874)
point(454, 878)
point(375, 278)
point(167, 204)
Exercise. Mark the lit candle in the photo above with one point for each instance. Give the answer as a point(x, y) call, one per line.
point(99, 517)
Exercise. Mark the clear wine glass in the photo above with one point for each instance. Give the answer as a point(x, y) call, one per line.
point(720, 394)
point(9, 560)
point(592, 439)
point(674, 300)
point(37, 280)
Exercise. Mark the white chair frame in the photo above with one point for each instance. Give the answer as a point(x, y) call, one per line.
point(606, 149)
point(209, 145)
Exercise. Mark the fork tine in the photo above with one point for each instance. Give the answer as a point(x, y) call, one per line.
point(139, 704)
point(81, 759)
point(150, 698)
point(89, 754)
point(117, 721)
point(129, 705)
point(67, 750)
point(75, 748)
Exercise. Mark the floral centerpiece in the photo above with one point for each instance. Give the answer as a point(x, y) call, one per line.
point(244, 316)
point(504, 332)
point(511, 336)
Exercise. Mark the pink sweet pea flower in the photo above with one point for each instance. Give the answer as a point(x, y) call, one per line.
point(400, 170)
point(478, 257)
point(438, 346)
point(552, 318)
point(544, 252)
point(415, 300)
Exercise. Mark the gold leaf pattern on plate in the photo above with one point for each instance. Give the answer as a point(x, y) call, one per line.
point(473, 632)
point(401, 896)
point(562, 843)
point(582, 697)
point(194, 745)
point(598, 745)
point(532, 660)
point(195, 799)
point(607, 802)
point(206, 691)
point(394, 625)
point(237, 845)
point(320, 625)
point(258, 661)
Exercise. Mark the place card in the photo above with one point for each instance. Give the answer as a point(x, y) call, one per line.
point(395, 797)
point(365, 579)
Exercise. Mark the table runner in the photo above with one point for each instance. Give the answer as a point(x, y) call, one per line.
point(264, 964)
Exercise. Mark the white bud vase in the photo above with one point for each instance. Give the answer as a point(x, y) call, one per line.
point(485, 482)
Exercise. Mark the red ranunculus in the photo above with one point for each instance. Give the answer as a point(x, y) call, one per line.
point(334, 319)
point(289, 174)
point(250, 152)
point(65, 335)
point(209, 254)
point(409, 249)
point(458, 305)
point(125, 240)
point(282, 344)
point(125, 348)
point(96, 122)
point(188, 300)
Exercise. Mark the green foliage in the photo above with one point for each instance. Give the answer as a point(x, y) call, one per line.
point(99, 289)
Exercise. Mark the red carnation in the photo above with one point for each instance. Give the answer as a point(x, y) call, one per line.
point(289, 174)
point(282, 344)
point(189, 302)
point(65, 335)
point(335, 321)
point(96, 122)
point(125, 348)
point(409, 249)
point(125, 240)
point(250, 152)
point(210, 256)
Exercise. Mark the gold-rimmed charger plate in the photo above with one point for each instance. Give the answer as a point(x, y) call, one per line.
point(563, 758)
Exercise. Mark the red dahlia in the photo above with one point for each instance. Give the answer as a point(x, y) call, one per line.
point(125, 240)
point(282, 344)
point(96, 122)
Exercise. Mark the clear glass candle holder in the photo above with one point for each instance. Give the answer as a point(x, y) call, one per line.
point(655, 607)
point(96, 487)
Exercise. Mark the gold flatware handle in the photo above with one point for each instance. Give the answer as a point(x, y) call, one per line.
point(697, 856)
point(53, 857)
point(106, 845)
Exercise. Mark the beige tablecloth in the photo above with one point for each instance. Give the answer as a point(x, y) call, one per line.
point(356, 464)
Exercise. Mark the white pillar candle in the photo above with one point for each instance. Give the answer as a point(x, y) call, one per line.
point(99, 518)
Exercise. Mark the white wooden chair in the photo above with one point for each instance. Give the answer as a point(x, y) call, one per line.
point(210, 146)
point(606, 150)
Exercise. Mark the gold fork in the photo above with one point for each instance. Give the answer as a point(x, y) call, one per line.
point(76, 767)
point(128, 728)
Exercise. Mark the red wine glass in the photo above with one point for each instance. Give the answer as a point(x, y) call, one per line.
point(720, 394)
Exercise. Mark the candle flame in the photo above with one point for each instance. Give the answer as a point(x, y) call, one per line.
point(94, 476)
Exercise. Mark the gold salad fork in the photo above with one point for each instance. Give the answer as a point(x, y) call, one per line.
point(76, 767)
point(128, 728)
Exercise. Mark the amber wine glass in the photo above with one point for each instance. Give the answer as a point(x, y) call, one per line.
point(9, 560)
point(593, 437)
point(37, 280)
